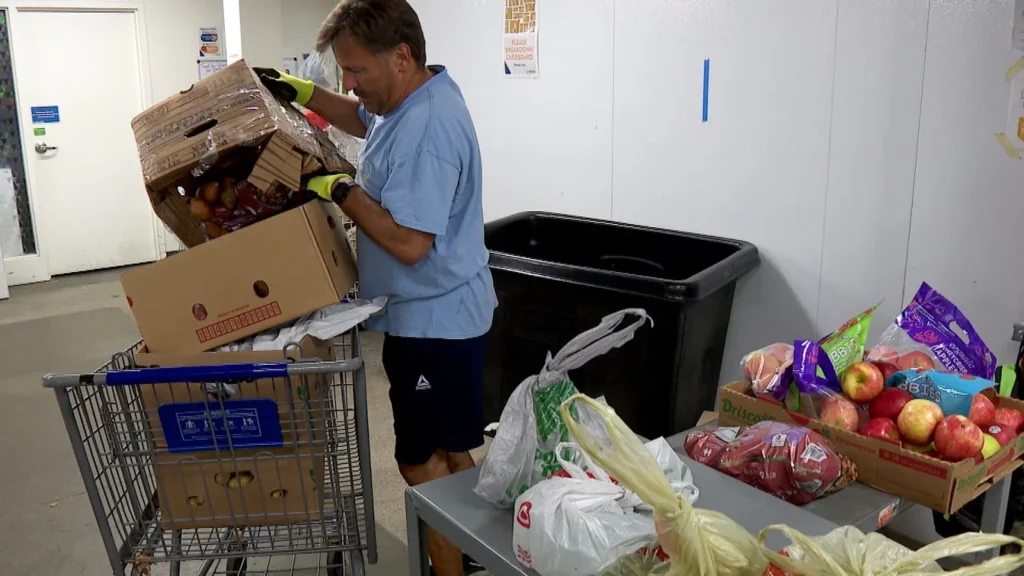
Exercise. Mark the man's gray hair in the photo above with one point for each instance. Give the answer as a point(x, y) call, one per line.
point(378, 25)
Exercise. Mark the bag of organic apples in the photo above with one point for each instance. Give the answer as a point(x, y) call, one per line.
point(932, 332)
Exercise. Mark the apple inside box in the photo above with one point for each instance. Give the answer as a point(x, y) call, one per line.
point(256, 278)
point(258, 481)
point(940, 485)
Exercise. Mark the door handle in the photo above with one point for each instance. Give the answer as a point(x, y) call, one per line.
point(42, 148)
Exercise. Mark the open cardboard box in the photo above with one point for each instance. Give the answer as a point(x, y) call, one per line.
point(226, 125)
point(262, 485)
point(940, 485)
point(254, 279)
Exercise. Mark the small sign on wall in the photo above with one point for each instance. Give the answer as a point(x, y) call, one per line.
point(45, 114)
point(520, 38)
point(210, 45)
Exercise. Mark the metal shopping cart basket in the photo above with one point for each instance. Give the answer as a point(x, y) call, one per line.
point(244, 468)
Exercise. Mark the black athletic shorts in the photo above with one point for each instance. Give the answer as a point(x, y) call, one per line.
point(436, 395)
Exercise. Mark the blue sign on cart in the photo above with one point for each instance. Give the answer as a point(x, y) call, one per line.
point(45, 114)
point(195, 426)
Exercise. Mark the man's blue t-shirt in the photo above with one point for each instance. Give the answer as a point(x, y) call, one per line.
point(422, 163)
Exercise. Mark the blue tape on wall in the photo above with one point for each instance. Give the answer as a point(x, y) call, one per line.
point(707, 75)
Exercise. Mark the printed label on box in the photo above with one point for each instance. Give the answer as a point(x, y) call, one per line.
point(197, 426)
point(236, 323)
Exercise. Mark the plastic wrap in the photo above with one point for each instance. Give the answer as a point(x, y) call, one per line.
point(767, 370)
point(952, 392)
point(790, 462)
point(932, 332)
point(706, 543)
point(228, 126)
point(815, 390)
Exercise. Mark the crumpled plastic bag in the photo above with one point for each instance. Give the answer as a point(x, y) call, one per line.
point(523, 451)
point(572, 526)
point(324, 324)
point(706, 543)
point(581, 520)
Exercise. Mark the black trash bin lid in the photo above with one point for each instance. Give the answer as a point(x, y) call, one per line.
point(667, 264)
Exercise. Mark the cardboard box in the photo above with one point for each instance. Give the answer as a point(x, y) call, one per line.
point(940, 485)
point(263, 485)
point(228, 124)
point(257, 278)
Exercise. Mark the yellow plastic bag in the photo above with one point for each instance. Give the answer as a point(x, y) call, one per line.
point(706, 543)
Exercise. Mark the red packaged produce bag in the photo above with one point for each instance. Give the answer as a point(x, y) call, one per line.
point(794, 463)
point(707, 446)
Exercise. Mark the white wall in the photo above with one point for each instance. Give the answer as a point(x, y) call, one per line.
point(300, 22)
point(818, 112)
point(172, 27)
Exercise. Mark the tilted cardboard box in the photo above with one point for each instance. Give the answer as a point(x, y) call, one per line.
point(228, 124)
point(251, 280)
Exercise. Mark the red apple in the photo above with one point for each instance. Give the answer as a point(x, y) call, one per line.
point(1002, 434)
point(983, 411)
point(883, 354)
point(918, 420)
point(889, 403)
point(957, 438)
point(839, 412)
point(915, 360)
point(886, 368)
point(1009, 418)
point(862, 382)
point(882, 428)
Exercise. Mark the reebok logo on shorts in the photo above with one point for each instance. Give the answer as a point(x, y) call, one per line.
point(422, 384)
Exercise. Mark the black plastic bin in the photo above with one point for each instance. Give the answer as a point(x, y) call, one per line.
point(558, 275)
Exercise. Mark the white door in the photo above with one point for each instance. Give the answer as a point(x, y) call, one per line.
point(80, 81)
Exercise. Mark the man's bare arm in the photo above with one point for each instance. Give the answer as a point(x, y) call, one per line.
point(338, 109)
point(408, 246)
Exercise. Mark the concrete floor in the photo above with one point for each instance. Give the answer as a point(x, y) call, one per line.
point(74, 324)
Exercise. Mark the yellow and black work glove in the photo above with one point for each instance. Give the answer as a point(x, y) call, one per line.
point(286, 86)
point(333, 188)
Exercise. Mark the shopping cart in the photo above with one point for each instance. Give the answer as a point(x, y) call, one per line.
point(244, 468)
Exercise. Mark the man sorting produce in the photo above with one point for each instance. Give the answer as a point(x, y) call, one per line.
point(417, 203)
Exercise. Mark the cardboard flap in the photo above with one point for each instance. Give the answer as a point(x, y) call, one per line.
point(279, 163)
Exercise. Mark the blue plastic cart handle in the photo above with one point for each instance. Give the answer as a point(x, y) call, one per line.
point(218, 373)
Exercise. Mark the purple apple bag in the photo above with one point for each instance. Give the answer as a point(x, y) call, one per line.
point(934, 324)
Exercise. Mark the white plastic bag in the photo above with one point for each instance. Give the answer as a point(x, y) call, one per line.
point(530, 427)
point(324, 324)
point(571, 527)
point(576, 464)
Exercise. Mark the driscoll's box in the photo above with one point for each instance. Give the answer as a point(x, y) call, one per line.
point(938, 484)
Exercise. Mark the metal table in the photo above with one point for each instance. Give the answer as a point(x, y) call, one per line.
point(484, 532)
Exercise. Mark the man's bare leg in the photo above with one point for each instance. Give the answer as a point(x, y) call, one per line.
point(459, 461)
point(445, 558)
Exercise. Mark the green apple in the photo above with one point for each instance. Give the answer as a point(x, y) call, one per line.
point(990, 447)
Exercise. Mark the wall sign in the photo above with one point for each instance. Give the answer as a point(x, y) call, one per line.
point(520, 39)
point(210, 45)
point(45, 114)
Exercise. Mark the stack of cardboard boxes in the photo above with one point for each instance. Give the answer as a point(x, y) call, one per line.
point(257, 258)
